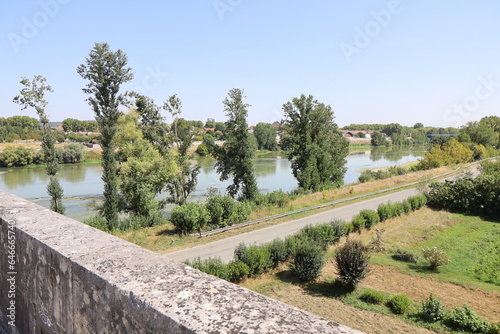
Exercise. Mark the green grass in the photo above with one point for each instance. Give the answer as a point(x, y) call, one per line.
point(473, 247)
point(360, 147)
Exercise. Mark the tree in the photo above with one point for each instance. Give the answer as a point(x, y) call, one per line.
point(315, 146)
point(143, 172)
point(185, 182)
point(378, 139)
point(236, 154)
point(389, 129)
point(418, 125)
point(106, 71)
point(33, 95)
point(266, 137)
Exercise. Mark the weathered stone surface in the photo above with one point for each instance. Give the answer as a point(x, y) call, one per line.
point(72, 278)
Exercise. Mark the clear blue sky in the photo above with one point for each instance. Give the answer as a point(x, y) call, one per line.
point(436, 62)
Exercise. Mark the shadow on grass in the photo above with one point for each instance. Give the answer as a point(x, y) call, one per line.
point(333, 289)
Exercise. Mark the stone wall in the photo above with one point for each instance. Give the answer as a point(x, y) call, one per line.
point(68, 277)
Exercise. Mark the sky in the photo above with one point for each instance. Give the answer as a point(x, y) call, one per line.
point(435, 62)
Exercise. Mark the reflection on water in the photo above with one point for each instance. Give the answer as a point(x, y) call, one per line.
point(271, 170)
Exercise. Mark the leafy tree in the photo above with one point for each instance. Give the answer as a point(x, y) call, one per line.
point(33, 95)
point(210, 124)
point(266, 137)
point(235, 156)
point(485, 132)
point(418, 125)
point(389, 129)
point(143, 172)
point(185, 182)
point(315, 146)
point(106, 71)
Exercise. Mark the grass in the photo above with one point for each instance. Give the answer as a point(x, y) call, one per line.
point(360, 147)
point(468, 241)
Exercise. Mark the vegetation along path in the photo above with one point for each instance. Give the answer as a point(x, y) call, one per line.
point(225, 248)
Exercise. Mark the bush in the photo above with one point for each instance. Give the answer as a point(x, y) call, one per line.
point(220, 208)
point(323, 234)
point(189, 217)
point(371, 218)
point(465, 319)
point(399, 304)
point(385, 211)
point(257, 258)
point(14, 156)
point(308, 262)
point(417, 202)
point(339, 227)
point(372, 297)
point(278, 251)
point(237, 270)
point(358, 223)
point(241, 211)
point(407, 208)
point(436, 257)
point(72, 153)
point(97, 222)
point(433, 309)
point(202, 150)
point(405, 256)
point(352, 263)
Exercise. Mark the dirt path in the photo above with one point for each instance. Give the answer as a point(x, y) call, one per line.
point(390, 280)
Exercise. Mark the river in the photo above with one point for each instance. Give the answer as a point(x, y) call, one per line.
point(82, 183)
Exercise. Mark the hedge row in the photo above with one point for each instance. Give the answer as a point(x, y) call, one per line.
point(306, 249)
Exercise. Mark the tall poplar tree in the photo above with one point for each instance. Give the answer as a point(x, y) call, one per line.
point(106, 71)
point(314, 144)
point(33, 95)
point(235, 156)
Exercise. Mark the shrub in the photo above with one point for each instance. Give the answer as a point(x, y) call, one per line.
point(399, 304)
point(323, 234)
point(98, 222)
point(308, 262)
point(72, 153)
point(352, 263)
point(371, 218)
point(435, 256)
point(220, 208)
point(465, 319)
point(433, 309)
point(237, 270)
point(417, 202)
point(358, 223)
point(211, 266)
point(405, 256)
point(372, 297)
point(13, 156)
point(278, 198)
point(257, 258)
point(202, 150)
point(407, 208)
point(278, 251)
point(189, 217)
point(241, 211)
point(385, 211)
point(339, 227)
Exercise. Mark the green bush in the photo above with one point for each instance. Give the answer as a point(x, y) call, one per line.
point(405, 256)
point(358, 223)
point(433, 309)
point(278, 251)
point(339, 227)
point(399, 304)
point(98, 222)
point(211, 266)
point(202, 150)
point(322, 234)
point(15, 156)
point(372, 297)
point(407, 208)
point(465, 319)
point(308, 262)
point(371, 218)
point(257, 258)
point(237, 270)
point(352, 263)
point(240, 213)
point(72, 153)
point(385, 211)
point(436, 257)
point(189, 217)
point(278, 198)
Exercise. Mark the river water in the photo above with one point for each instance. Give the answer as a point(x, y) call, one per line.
point(82, 183)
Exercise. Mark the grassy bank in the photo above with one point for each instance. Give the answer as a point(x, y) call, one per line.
point(470, 242)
